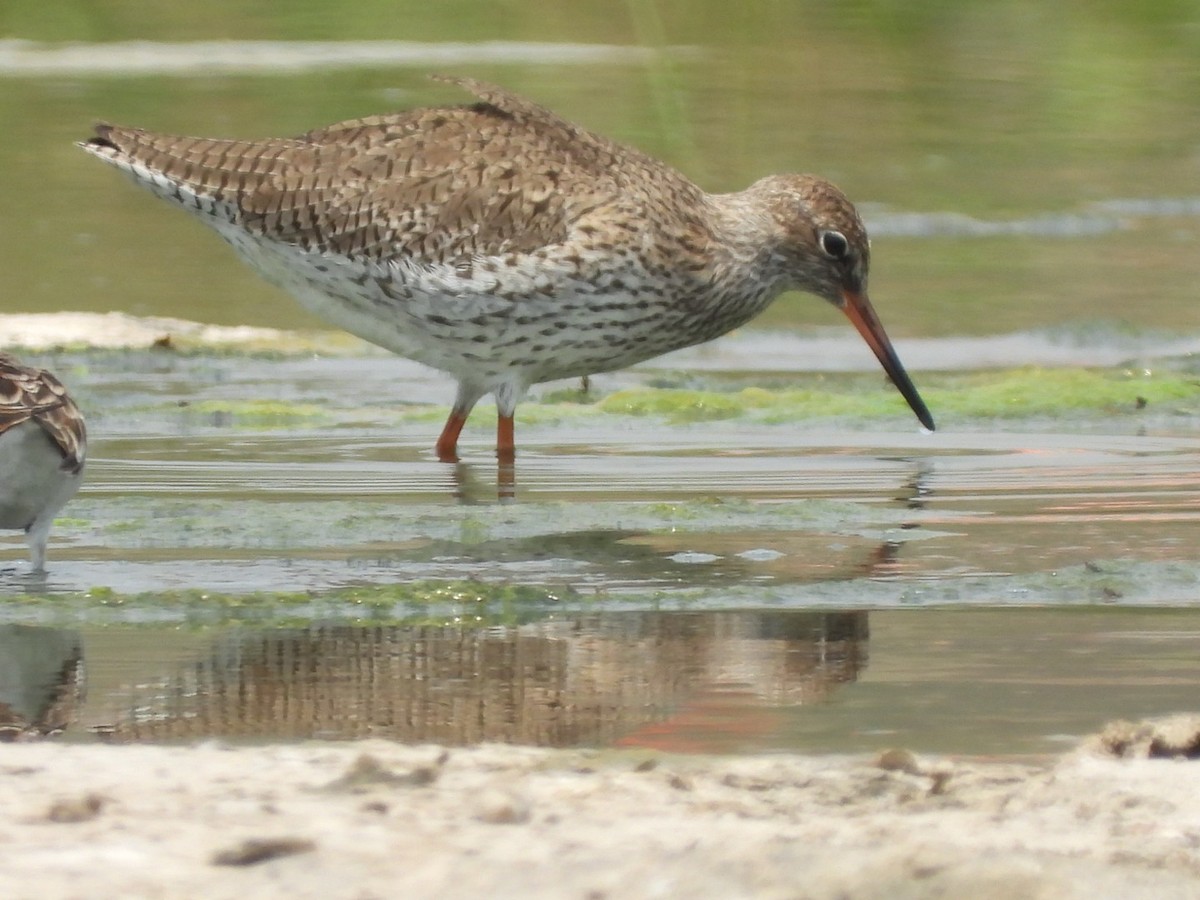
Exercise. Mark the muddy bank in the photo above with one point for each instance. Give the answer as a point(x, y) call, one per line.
point(377, 819)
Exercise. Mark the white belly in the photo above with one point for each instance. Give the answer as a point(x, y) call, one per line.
point(31, 480)
point(527, 323)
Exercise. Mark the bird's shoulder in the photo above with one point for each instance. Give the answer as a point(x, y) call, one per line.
point(28, 393)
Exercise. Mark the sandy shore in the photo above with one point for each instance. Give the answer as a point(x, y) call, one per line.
point(382, 820)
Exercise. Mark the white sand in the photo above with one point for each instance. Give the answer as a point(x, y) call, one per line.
point(380, 820)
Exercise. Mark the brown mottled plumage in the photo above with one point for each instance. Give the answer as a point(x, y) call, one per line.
point(506, 246)
point(43, 449)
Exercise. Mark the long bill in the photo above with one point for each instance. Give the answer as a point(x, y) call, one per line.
point(858, 310)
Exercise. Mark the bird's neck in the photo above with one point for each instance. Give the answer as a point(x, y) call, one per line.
point(745, 259)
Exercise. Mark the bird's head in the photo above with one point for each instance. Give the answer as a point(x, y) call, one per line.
point(821, 246)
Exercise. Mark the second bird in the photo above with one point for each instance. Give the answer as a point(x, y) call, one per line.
point(43, 450)
point(505, 246)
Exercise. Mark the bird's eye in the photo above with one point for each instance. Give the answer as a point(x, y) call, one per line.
point(834, 244)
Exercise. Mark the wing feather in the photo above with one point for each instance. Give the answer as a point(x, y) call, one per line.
point(435, 185)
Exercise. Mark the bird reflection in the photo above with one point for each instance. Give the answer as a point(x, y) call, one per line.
point(469, 488)
point(585, 680)
point(41, 681)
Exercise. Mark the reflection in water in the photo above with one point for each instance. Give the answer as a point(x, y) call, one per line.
point(469, 487)
point(916, 490)
point(973, 681)
point(41, 680)
point(915, 495)
point(587, 680)
point(615, 559)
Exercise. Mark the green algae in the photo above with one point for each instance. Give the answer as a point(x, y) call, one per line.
point(476, 604)
point(985, 395)
point(372, 526)
point(675, 405)
point(1037, 391)
point(420, 602)
point(1031, 392)
point(574, 395)
point(714, 514)
point(265, 414)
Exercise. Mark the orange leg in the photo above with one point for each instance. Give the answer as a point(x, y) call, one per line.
point(506, 448)
point(447, 444)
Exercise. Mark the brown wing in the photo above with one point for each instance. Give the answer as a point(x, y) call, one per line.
point(432, 185)
point(28, 393)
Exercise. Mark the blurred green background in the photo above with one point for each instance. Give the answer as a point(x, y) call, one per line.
point(994, 147)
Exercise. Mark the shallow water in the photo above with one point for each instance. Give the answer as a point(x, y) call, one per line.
point(265, 546)
point(719, 585)
point(1011, 681)
point(329, 484)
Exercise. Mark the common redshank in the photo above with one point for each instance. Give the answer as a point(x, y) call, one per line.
point(43, 448)
point(506, 246)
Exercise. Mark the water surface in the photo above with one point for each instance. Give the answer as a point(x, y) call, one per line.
point(305, 569)
point(265, 547)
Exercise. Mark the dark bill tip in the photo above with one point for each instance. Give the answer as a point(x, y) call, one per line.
point(859, 311)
